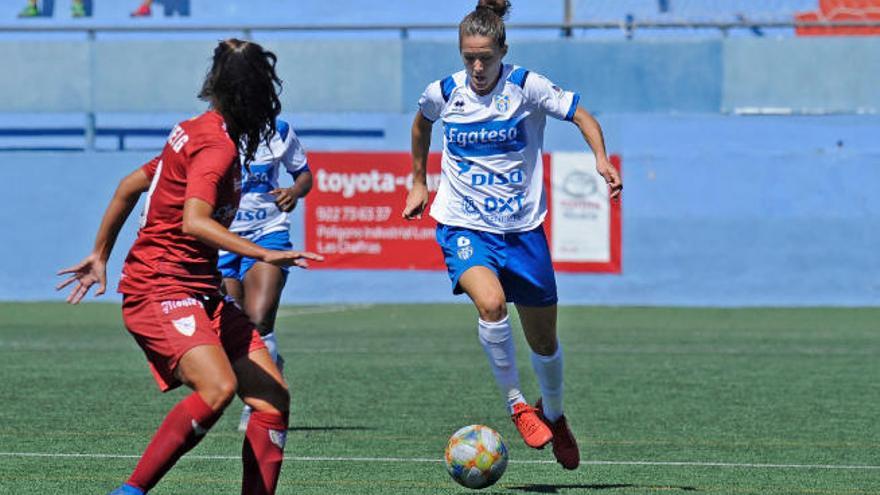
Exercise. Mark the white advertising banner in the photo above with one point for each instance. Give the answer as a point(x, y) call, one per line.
point(580, 210)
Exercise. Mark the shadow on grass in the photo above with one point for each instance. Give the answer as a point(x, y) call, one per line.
point(330, 428)
point(573, 487)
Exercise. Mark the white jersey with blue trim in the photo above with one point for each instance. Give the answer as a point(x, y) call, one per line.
point(257, 213)
point(492, 171)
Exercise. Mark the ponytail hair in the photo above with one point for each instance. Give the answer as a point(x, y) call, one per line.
point(243, 87)
point(487, 20)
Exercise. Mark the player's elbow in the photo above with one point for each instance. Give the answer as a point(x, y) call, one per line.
point(129, 189)
point(192, 226)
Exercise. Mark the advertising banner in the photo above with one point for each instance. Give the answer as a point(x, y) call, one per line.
point(582, 225)
point(353, 213)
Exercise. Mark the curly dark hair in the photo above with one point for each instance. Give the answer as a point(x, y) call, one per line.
point(487, 19)
point(243, 87)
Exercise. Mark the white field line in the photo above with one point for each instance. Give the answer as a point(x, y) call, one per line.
point(428, 460)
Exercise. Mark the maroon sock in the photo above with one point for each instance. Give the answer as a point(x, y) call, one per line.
point(183, 428)
point(263, 452)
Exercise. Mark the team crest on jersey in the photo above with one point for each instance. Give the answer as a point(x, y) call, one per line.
point(465, 250)
point(186, 325)
point(502, 103)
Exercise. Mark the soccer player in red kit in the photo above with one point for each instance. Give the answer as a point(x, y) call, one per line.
point(172, 305)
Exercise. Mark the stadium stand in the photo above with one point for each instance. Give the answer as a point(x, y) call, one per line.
point(671, 107)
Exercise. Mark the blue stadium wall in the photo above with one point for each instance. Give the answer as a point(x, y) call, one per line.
point(719, 209)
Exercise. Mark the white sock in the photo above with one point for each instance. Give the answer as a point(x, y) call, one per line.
point(549, 372)
point(497, 340)
point(271, 345)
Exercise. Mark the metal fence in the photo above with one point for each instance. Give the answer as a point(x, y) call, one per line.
point(628, 24)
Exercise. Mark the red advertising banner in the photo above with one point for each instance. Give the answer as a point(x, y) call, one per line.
point(353, 213)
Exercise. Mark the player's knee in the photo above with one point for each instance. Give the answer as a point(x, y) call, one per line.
point(276, 401)
point(263, 326)
point(283, 401)
point(493, 308)
point(545, 347)
point(219, 393)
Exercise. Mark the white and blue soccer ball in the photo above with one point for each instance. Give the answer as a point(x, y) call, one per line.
point(476, 456)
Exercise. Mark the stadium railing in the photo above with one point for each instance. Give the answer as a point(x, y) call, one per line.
point(628, 26)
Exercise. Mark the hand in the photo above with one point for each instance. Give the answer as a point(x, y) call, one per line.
point(416, 201)
point(285, 199)
point(611, 176)
point(86, 273)
point(291, 258)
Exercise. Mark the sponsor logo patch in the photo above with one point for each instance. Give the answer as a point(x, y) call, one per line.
point(168, 306)
point(470, 206)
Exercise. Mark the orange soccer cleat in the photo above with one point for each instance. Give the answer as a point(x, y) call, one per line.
point(565, 447)
point(535, 432)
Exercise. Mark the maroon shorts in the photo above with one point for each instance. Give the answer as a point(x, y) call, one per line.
point(168, 326)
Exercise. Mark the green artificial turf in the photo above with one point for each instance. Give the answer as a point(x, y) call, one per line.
point(662, 400)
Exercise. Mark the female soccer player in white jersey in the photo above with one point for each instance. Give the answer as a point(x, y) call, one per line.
point(262, 218)
point(491, 204)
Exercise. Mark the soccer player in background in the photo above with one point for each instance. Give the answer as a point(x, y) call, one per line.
point(490, 207)
point(263, 219)
point(172, 304)
point(144, 9)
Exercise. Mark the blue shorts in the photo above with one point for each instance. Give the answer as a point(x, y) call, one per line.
point(520, 259)
point(235, 266)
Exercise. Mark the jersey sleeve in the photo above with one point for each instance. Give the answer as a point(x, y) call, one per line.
point(150, 167)
point(208, 165)
point(431, 102)
point(553, 100)
point(294, 157)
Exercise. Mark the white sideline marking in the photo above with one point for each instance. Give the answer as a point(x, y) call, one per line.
point(423, 459)
point(320, 310)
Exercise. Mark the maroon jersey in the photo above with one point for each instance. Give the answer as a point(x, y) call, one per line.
point(198, 161)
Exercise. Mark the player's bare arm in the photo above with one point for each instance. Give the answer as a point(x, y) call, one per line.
point(93, 268)
point(287, 197)
point(592, 133)
point(417, 198)
point(198, 222)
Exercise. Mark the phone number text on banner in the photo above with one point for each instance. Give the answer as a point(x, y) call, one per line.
point(353, 213)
